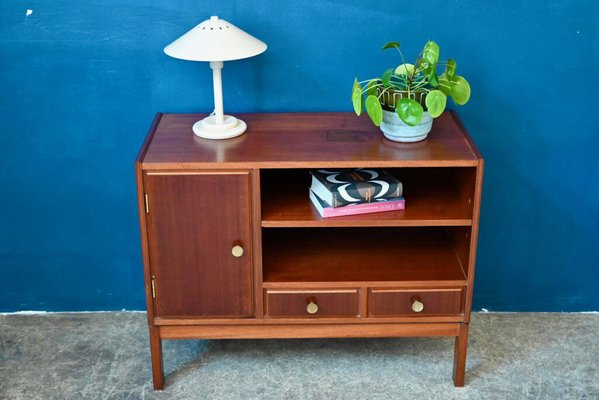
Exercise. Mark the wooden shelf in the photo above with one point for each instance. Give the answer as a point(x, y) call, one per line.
point(434, 197)
point(337, 255)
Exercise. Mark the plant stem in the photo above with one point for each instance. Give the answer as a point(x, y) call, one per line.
point(382, 92)
point(401, 55)
point(367, 80)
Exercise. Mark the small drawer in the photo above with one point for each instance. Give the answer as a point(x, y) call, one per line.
point(402, 302)
point(312, 304)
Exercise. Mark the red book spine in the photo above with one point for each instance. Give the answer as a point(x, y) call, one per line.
point(364, 208)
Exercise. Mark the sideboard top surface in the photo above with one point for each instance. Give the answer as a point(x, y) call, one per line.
point(303, 140)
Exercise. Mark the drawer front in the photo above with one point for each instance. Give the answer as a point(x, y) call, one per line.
point(311, 304)
point(398, 302)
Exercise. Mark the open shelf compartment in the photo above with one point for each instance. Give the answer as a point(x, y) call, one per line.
point(413, 256)
point(435, 196)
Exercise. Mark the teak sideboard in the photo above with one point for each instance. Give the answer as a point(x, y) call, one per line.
point(233, 248)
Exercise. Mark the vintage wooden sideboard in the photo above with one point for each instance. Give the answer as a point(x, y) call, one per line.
point(233, 248)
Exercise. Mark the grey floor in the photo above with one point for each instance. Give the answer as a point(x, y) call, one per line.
point(106, 356)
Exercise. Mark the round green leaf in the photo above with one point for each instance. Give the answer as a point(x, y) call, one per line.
point(435, 102)
point(409, 111)
point(450, 68)
point(374, 109)
point(444, 85)
point(432, 77)
point(431, 52)
point(386, 77)
point(391, 45)
point(356, 97)
point(371, 87)
point(404, 69)
point(460, 90)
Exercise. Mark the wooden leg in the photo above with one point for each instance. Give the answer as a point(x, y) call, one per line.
point(459, 356)
point(156, 350)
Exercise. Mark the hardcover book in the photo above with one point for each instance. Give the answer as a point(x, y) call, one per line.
point(380, 205)
point(341, 187)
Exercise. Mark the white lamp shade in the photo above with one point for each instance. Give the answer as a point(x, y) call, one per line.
point(215, 40)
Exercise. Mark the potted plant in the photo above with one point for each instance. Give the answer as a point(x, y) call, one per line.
point(405, 99)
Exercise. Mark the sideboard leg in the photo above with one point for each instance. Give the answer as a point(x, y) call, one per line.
point(459, 357)
point(156, 350)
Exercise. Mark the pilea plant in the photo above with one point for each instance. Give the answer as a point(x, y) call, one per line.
point(407, 87)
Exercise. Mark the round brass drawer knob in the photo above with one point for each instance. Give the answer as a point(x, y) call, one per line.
point(417, 306)
point(312, 308)
point(237, 251)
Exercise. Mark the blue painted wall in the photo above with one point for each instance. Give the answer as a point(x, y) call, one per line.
point(80, 83)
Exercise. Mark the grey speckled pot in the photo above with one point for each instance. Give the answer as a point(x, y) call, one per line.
point(397, 130)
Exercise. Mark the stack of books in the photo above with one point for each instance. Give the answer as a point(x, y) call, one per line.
point(336, 193)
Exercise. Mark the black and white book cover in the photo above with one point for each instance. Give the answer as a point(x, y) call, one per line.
point(341, 187)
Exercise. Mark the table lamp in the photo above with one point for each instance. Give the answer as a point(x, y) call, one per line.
point(216, 40)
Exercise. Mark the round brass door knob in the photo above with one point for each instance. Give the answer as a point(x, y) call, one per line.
point(417, 306)
point(312, 308)
point(237, 251)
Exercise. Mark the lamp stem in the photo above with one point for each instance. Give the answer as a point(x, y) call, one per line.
point(217, 81)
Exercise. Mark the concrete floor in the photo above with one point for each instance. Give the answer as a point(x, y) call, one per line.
point(106, 356)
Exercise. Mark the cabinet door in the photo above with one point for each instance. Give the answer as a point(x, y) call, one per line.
point(195, 220)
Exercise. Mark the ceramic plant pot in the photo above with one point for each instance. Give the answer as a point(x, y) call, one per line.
point(395, 129)
point(390, 98)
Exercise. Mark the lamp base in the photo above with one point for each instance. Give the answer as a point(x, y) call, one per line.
point(208, 128)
